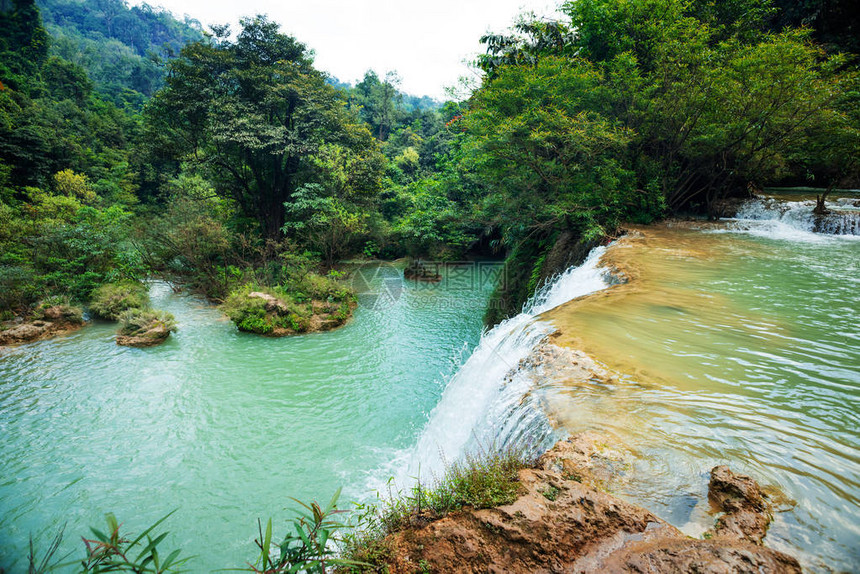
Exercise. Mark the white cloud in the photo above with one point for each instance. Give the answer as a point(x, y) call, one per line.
point(425, 42)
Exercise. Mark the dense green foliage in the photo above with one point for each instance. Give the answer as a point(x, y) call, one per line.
point(627, 107)
point(65, 177)
point(623, 111)
point(53, 244)
point(120, 47)
point(260, 122)
point(250, 167)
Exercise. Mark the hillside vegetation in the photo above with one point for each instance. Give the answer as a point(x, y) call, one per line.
point(134, 145)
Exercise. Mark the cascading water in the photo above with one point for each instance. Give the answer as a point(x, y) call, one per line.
point(483, 404)
point(785, 219)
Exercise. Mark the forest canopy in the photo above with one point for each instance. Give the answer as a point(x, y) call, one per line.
point(135, 145)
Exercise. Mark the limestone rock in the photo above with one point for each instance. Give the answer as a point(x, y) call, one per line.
point(149, 338)
point(562, 523)
point(747, 513)
point(273, 304)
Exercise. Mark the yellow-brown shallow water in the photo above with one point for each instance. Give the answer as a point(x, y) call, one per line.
point(726, 347)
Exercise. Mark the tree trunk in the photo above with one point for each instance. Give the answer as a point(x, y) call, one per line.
point(820, 207)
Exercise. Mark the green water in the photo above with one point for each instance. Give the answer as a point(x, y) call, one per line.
point(738, 348)
point(221, 425)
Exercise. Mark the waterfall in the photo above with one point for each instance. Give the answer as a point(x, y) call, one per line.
point(485, 402)
point(788, 219)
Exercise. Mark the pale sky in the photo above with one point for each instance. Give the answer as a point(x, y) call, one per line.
point(426, 42)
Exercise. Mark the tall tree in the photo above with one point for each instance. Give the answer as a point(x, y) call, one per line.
point(710, 99)
point(253, 113)
point(378, 102)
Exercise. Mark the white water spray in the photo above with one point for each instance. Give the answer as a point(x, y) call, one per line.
point(794, 220)
point(481, 404)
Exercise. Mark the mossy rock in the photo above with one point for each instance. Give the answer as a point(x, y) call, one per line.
point(48, 319)
point(62, 314)
point(275, 312)
point(144, 328)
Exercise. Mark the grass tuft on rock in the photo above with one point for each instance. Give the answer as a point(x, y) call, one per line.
point(139, 322)
point(485, 479)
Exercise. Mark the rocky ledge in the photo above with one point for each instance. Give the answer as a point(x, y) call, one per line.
point(563, 522)
point(47, 322)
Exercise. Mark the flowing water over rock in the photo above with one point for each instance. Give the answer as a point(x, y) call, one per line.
point(734, 343)
point(728, 344)
point(479, 408)
point(789, 214)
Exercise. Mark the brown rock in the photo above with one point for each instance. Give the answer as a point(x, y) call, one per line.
point(561, 523)
point(747, 513)
point(684, 555)
point(150, 338)
point(23, 333)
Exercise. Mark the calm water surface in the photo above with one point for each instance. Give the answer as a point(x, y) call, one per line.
point(221, 425)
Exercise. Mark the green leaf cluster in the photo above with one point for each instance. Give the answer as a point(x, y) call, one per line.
point(627, 107)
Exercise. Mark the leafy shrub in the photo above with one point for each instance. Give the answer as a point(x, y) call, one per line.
point(256, 323)
point(249, 313)
point(135, 322)
point(112, 551)
point(308, 548)
point(321, 288)
point(343, 311)
point(299, 324)
point(112, 299)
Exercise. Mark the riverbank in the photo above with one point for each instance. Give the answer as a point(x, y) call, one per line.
point(563, 520)
point(45, 322)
